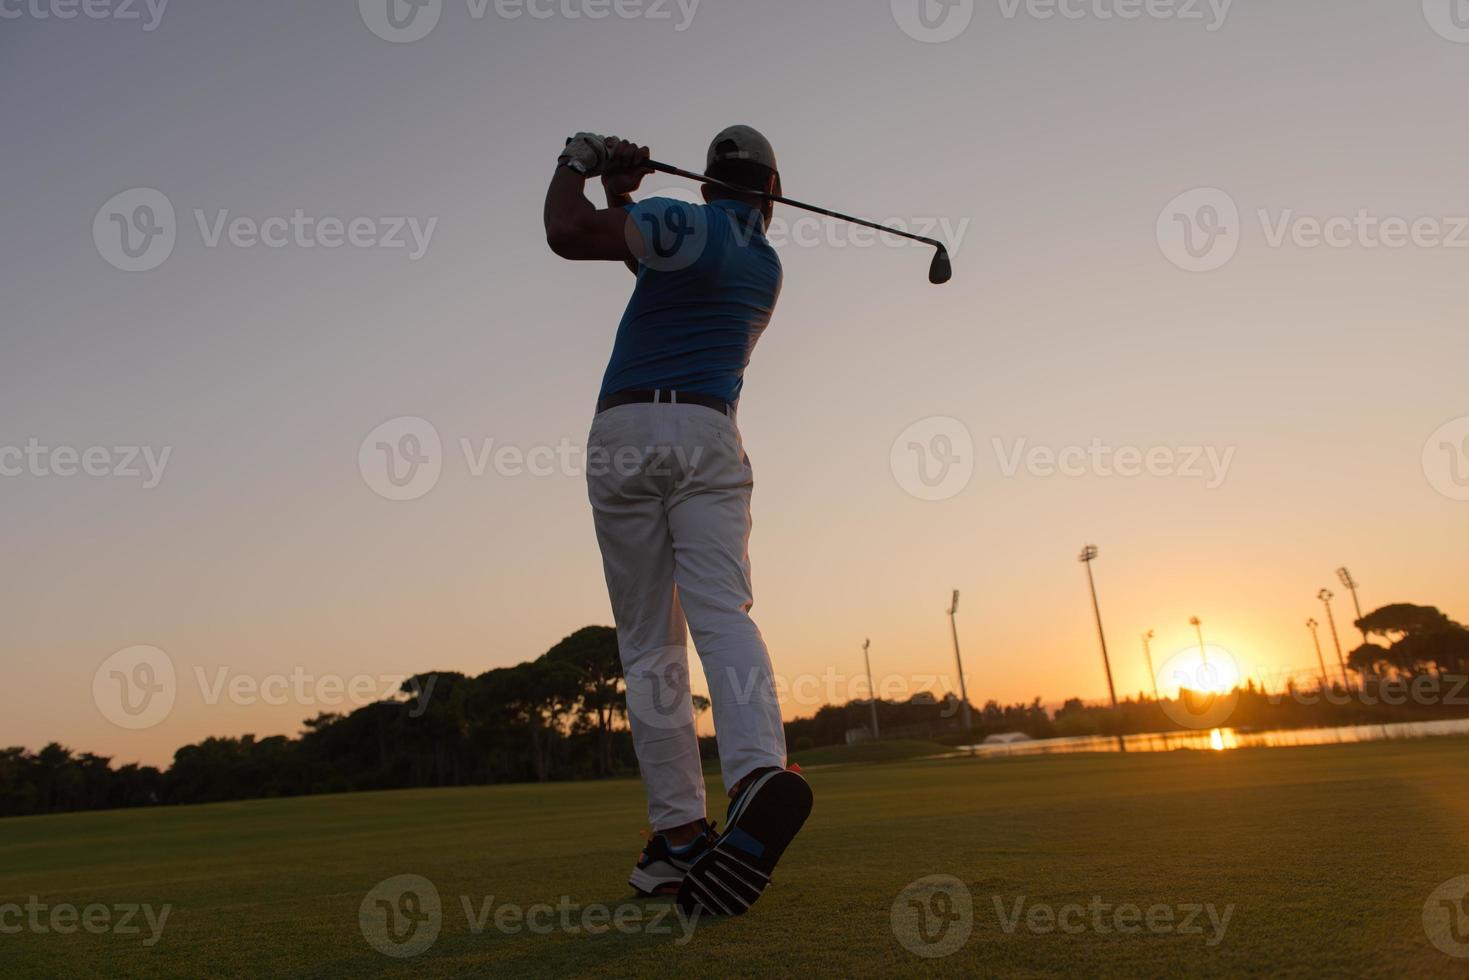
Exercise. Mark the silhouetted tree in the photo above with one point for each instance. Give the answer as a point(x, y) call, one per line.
point(1419, 638)
point(592, 653)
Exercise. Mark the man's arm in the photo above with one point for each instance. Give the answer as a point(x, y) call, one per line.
point(575, 228)
point(619, 201)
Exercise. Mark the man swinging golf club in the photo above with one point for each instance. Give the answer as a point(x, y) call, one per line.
point(670, 489)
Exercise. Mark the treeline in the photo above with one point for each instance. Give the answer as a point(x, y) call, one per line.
point(560, 716)
point(385, 746)
point(922, 717)
point(54, 780)
point(564, 716)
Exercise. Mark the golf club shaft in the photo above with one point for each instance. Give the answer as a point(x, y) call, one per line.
point(675, 171)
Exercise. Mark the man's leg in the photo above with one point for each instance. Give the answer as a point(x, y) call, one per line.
point(709, 518)
point(637, 557)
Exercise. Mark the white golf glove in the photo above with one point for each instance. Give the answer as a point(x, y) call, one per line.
point(586, 153)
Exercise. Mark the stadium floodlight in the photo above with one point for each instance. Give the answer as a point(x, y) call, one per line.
point(1326, 595)
point(1087, 556)
point(1198, 625)
point(871, 691)
point(1350, 584)
point(959, 663)
point(1148, 656)
point(1311, 625)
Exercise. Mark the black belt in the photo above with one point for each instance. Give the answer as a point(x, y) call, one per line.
point(664, 396)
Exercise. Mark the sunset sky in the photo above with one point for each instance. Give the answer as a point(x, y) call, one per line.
point(1050, 146)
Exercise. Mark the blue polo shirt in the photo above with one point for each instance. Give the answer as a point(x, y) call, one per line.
point(707, 283)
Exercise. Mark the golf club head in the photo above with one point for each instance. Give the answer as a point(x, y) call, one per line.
point(940, 271)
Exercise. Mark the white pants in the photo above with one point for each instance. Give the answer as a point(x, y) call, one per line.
point(670, 490)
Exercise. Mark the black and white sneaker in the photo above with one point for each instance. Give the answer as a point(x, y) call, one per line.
point(661, 867)
point(763, 820)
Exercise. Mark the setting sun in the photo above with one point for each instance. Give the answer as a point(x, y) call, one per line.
point(1214, 670)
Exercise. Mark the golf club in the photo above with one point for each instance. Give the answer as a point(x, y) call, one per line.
point(939, 272)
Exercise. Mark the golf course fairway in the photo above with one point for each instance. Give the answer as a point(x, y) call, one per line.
point(1301, 861)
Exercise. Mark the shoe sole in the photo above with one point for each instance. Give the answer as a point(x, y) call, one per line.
point(651, 885)
point(732, 876)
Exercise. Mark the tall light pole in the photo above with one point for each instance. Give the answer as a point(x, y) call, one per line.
point(963, 691)
point(1311, 625)
point(1350, 584)
point(1326, 595)
point(1198, 625)
point(1148, 656)
point(1087, 556)
point(871, 691)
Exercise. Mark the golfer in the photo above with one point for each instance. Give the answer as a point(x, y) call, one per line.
point(670, 489)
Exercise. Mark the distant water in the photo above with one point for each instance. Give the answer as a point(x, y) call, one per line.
point(1223, 739)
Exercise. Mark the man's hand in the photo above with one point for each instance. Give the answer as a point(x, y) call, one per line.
point(586, 153)
point(626, 167)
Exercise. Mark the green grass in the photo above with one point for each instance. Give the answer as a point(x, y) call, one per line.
point(893, 750)
point(1327, 855)
point(897, 750)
